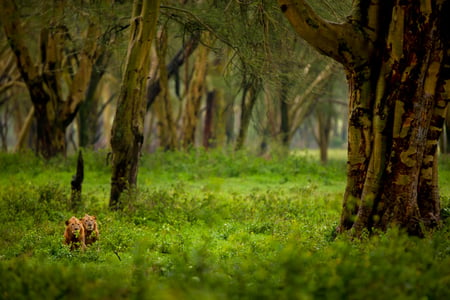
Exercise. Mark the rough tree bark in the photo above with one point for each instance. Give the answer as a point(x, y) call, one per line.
point(396, 57)
point(128, 126)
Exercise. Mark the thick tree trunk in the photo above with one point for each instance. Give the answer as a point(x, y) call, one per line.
point(54, 110)
point(396, 56)
point(127, 131)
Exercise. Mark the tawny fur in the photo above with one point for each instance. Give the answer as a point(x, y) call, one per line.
point(90, 229)
point(74, 234)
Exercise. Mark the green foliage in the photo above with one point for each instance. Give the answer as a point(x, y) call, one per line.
point(206, 225)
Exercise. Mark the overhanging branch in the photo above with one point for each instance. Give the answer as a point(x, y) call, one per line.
point(343, 42)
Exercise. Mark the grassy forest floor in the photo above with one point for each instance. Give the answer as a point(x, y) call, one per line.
point(206, 225)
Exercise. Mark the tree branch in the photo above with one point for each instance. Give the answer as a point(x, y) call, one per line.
point(154, 88)
point(345, 42)
point(9, 17)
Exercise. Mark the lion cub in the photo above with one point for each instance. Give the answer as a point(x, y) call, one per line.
point(90, 228)
point(74, 234)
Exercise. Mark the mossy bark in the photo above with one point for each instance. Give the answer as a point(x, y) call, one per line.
point(396, 58)
point(128, 126)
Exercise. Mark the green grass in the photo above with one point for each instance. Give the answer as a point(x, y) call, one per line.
point(206, 225)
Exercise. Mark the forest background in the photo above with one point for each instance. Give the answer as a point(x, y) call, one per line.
point(231, 215)
point(233, 79)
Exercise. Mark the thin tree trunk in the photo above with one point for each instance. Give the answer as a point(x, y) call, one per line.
point(208, 134)
point(89, 108)
point(249, 97)
point(195, 93)
point(154, 88)
point(284, 113)
point(324, 128)
point(77, 182)
point(24, 131)
point(163, 107)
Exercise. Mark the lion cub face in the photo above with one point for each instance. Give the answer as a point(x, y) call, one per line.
point(89, 222)
point(74, 234)
point(90, 228)
point(74, 226)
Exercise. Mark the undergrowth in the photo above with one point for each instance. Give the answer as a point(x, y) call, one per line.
point(205, 225)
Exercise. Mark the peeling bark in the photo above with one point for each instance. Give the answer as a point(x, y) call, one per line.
point(397, 78)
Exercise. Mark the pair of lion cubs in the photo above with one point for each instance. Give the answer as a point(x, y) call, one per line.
point(80, 233)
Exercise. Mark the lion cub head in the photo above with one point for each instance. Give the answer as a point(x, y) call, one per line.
point(90, 228)
point(74, 234)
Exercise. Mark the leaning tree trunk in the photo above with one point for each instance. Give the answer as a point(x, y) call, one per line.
point(396, 56)
point(127, 134)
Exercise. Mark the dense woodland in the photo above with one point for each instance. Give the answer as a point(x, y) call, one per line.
point(221, 74)
point(261, 149)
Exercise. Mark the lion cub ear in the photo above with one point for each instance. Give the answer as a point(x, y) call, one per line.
point(95, 218)
point(67, 222)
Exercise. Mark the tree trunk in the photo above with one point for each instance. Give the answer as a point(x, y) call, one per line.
point(284, 114)
point(154, 88)
point(249, 96)
point(208, 132)
point(195, 93)
point(128, 126)
point(166, 125)
point(90, 107)
point(77, 182)
point(55, 108)
point(324, 117)
point(396, 56)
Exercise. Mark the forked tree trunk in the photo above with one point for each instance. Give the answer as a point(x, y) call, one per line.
point(249, 97)
point(127, 134)
point(396, 55)
point(54, 108)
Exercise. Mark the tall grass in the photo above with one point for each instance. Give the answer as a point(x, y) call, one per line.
point(205, 225)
